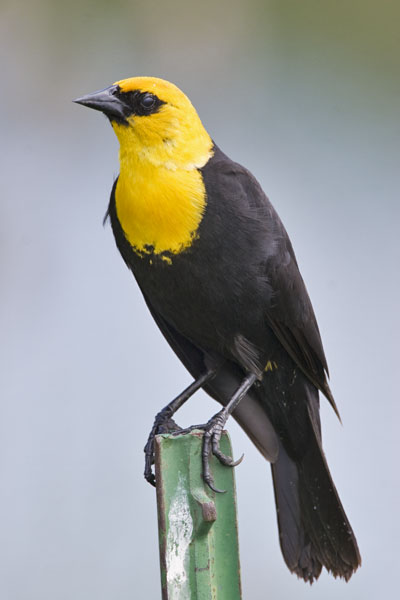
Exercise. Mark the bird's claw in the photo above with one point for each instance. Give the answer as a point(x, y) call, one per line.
point(227, 460)
point(210, 482)
point(162, 424)
point(212, 435)
point(149, 461)
point(211, 439)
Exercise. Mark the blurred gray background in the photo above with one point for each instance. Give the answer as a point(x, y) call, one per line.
point(306, 95)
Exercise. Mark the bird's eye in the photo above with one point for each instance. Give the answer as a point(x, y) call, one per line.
point(148, 101)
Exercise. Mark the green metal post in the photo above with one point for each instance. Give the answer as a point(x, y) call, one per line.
point(199, 550)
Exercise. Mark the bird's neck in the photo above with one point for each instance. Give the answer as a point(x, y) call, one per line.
point(159, 205)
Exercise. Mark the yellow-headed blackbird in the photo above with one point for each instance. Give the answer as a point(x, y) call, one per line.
point(219, 275)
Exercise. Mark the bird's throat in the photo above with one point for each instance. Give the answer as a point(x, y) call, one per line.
point(159, 207)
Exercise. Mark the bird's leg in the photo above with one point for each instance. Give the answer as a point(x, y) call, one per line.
point(163, 422)
point(213, 431)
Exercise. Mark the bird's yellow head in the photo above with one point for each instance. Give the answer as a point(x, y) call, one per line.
point(154, 121)
point(160, 197)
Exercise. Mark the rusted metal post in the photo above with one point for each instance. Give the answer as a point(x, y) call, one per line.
point(199, 550)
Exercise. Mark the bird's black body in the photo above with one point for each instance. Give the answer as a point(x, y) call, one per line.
point(235, 298)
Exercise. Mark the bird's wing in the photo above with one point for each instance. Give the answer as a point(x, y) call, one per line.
point(292, 319)
point(288, 310)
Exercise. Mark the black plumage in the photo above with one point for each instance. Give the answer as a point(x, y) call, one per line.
point(235, 298)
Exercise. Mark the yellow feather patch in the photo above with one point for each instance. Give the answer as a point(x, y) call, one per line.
point(271, 366)
point(160, 196)
point(158, 206)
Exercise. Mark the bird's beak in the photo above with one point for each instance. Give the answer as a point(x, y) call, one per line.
point(108, 102)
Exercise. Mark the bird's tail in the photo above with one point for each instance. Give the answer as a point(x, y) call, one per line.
point(314, 531)
point(283, 422)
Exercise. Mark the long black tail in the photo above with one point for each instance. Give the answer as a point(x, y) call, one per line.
point(314, 530)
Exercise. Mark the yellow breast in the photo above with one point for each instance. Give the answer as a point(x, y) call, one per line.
point(159, 209)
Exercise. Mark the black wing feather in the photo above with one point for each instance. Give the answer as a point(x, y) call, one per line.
point(288, 309)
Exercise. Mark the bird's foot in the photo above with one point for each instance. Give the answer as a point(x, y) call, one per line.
point(212, 435)
point(163, 423)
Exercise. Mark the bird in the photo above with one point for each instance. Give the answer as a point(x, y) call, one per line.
point(219, 275)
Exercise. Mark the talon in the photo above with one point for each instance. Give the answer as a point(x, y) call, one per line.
point(150, 478)
point(227, 460)
point(210, 484)
point(149, 461)
point(148, 474)
point(162, 424)
point(238, 461)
